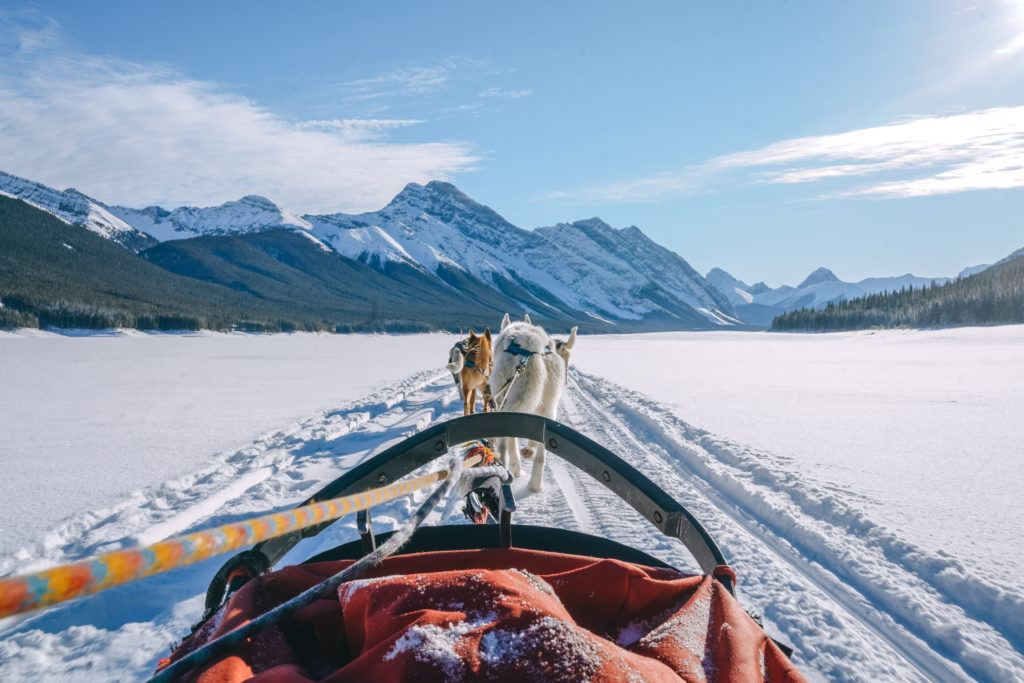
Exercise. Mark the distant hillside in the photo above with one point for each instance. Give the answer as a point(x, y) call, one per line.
point(291, 270)
point(53, 274)
point(60, 275)
point(75, 208)
point(759, 304)
point(994, 296)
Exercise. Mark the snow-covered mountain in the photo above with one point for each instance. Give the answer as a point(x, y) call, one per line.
point(75, 208)
point(248, 214)
point(737, 291)
point(817, 290)
point(822, 286)
point(586, 268)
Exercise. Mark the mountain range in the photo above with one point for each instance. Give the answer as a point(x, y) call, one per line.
point(758, 304)
point(433, 258)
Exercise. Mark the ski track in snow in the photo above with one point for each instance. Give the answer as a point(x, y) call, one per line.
point(856, 602)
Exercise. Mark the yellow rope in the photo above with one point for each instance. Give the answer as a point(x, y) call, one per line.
point(66, 582)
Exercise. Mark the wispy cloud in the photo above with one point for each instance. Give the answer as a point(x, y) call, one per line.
point(357, 129)
point(407, 80)
point(500, 93)
point(935, 155)
point(916, 157)
point(647, 189)
point(138, 134)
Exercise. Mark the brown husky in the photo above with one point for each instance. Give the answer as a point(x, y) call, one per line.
point(470, 363)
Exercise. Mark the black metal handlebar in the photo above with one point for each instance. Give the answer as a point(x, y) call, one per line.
point(628, 483)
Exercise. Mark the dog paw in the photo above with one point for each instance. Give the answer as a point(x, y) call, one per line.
point(536, 486)
point(528, 452)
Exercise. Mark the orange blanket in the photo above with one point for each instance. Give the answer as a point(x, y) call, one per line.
point(516, 615)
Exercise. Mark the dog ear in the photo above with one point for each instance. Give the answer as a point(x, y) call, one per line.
point(472, 333)
point(572, 338)
point(505, 322)
point(487, 333)
point(526, 319)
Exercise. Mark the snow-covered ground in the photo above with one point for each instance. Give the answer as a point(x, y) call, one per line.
point(855, 590)
point(86, 420)
point(923, 430)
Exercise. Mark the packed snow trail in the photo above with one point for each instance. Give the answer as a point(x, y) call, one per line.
point(856, 602)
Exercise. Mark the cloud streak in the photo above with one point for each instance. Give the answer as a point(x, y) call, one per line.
point(408, 80)
point(979, 150)
point(138, 134)
point(501, 93)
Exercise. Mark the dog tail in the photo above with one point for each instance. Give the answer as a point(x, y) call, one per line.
point(455, 361)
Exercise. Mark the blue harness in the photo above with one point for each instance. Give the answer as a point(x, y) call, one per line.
point(516, 350)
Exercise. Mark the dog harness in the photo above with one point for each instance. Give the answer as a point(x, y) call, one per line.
point(463, 347)
point(516, 350)
point(468, 355)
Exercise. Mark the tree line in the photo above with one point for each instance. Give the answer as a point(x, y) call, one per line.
point(992, 297)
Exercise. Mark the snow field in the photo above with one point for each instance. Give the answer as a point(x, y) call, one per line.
point(921, 431)
point(85, 421)
point(860, 598)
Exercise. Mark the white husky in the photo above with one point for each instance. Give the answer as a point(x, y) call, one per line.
point(536, 390)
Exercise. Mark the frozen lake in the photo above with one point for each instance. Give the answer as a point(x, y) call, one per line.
point(923, 430)
point(845, 476)
point(84, 421)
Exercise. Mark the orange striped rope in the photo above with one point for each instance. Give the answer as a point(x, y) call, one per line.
point(66, 582)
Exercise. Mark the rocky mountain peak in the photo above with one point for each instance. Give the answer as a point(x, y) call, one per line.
point(818, 276)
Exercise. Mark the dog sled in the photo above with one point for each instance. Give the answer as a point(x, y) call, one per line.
point(494, 600)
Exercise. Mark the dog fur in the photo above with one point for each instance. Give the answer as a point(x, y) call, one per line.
point(563, 347)
point(472, 378)
point(537, 389)
point(456, 361)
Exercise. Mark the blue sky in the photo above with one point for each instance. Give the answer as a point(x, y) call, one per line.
point(875, 138)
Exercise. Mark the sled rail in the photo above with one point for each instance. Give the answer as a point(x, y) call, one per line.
point(611, 471)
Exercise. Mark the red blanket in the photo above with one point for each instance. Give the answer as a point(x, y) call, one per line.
point(513, 614)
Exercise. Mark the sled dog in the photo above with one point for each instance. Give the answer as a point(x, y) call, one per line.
point(528, 377)
point(470, 362)
point(563, 347)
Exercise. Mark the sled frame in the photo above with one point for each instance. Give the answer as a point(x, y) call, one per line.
point(608, 469)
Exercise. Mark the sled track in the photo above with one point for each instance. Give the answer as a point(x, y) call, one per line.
point(855, 604)
point(885, 598)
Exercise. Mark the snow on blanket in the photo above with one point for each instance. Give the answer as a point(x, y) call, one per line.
point(420, 620)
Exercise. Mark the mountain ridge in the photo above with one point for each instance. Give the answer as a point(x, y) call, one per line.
point(585, 268)
point(75, 208)
point(251, 213)
point(820, 288)
point(432, 237)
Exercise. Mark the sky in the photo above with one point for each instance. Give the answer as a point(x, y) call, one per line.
point(873, 138)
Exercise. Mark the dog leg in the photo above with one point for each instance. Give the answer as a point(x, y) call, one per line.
point(514, 465)
point(472, 401)
point(537, 476)
point(501, 452)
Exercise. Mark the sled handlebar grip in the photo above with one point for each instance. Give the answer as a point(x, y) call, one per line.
point(36, 590)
